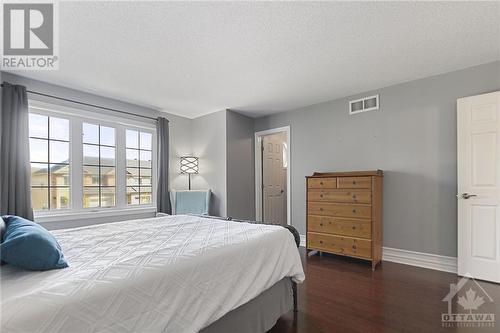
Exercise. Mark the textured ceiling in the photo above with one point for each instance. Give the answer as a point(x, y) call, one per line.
point(259, 57)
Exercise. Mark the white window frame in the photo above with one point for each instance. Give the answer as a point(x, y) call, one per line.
point(48, 164)
point(77, 117)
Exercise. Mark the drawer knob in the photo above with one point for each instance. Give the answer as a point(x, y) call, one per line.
point(321, 242)
point(354, 196)
point(354, 210)
point(353, 227)
point(321, 208)
point(321, 195)
point(354, 247)
point(353, 182)
point(321, 183)
point(321, 224)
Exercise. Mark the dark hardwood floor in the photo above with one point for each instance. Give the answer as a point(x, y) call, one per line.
point(344, 295)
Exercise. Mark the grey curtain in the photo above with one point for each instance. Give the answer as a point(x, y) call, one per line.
point(15, 174)
point(163, 197)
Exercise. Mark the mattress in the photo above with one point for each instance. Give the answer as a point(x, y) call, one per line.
point(167, 274)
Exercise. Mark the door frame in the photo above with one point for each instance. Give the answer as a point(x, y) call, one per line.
point(258, 172)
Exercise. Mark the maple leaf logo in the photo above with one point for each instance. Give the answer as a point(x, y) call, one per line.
point(470, 301)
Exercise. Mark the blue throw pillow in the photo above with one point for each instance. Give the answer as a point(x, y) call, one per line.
point(28, 245)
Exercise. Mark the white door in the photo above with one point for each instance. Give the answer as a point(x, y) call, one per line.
point(273, 179)
point(479, 186)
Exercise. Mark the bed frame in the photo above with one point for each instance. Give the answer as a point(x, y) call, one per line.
point(261, 313)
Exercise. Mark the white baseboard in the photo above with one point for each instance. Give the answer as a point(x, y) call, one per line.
point(419, 259)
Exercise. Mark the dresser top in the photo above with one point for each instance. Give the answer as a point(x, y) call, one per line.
point(347, 174)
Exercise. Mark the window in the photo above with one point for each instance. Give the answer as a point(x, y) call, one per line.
point(98, 166)
point(50, 163)
point(81, 161)
point(139, 167)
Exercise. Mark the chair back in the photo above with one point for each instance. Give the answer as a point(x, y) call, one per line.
point(190, 202)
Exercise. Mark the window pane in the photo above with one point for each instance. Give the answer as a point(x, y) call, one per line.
point(146, 140)
point(90, 133)
point(145, 181)
point(55, 177)
point(107, 176)
point(132, 139)
point(145, 177)
point(59, 129)
point(132, 176)
point(145, 195)
point(133, 195)
point(59, 198)
point(107, 196)
point(59, 175)
point(132, 158)
point(59, 152)
point(90, 175)
point(40, 198)
point(39, 174)
point(90, 154)
point(38, 125)
point(90, 197)
point(107, 156)
point(39, 150)
point(145, 172)
point(107, 136)
point(146, 159)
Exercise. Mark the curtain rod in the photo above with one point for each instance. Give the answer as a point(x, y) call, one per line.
point(87, 104)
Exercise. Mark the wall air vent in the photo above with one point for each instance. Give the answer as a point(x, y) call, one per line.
point(364, 104)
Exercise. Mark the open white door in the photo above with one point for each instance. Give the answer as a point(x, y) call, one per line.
point(479, 186)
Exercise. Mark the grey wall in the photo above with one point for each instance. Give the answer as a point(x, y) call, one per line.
point(209, 144)
point(412, 138)
point(240, 166)
point(180, 127)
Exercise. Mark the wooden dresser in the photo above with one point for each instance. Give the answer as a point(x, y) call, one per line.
point(344, 214)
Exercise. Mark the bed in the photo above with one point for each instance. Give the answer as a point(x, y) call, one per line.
point(167, 274)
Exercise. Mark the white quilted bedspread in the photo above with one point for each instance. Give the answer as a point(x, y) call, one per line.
point(166, 274)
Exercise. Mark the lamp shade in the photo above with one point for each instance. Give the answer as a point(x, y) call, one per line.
point(189, 164)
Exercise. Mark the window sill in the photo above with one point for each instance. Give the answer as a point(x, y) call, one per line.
point(81, 215)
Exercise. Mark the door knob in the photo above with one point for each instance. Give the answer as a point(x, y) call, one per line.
point(467, 195)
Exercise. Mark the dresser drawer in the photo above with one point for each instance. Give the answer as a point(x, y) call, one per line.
point(354, 182)
point(339, 226)
point(341, 245)
point(322, 183)
point(342, 196)
point(340, 210)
